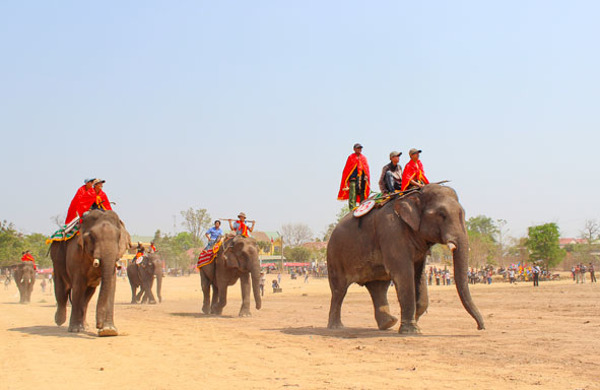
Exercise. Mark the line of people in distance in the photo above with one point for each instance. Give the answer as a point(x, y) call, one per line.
point(355, 186)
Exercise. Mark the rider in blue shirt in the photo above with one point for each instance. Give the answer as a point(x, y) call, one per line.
point(213, 234)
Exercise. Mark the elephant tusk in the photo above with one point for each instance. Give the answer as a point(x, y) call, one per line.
point(96, 263)
point(451, 246)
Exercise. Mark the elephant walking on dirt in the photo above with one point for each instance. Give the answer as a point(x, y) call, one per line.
point(24, 275)
point(142, 276)
point(390, 244)
point(84, 262)
point(237, 259)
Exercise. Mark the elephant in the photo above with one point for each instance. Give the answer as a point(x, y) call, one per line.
point(142, 276)
point(391, 243)
point(237, 259)
point(84, 262)
point(24, 275)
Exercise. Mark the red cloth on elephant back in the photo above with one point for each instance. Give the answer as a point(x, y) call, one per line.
point(413, 171)
point(359, 164)
point(75, 204)
point(91, 197)
point(29, 257)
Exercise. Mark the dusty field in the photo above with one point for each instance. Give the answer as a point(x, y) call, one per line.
point(544, 338)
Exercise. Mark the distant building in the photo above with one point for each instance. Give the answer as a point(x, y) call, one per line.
point(562, 242)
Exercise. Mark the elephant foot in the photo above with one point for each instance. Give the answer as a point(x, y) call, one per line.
point(335, 325)
point(245, 313)
point(386, 323)
point(206, 310)
point(258, 306)
point(152, 302)
point(77, 328)
point(61, 316)
point(108, 331)
point(409, 329)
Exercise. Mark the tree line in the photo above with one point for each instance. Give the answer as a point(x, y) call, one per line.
point(489, 243)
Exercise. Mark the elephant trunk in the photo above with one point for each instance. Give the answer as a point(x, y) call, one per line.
point(460, 255)
point(159, 274)
point(255, 275)
point(106, 298)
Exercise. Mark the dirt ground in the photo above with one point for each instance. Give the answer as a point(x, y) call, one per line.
point(542, 338)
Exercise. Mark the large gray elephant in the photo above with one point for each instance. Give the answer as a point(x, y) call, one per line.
point(237, 259)
point(24, 275)
point(142, 275)
point(391, 244)
point(84, 262)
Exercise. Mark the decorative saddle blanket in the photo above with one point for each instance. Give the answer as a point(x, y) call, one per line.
point(207, 256)
point(378, 200)
point(65, 233)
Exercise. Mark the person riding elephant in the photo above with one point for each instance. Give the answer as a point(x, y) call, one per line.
point(142, 275)
point(83, 263)
point(24, 275)
point(391, 244)
point(237, 259)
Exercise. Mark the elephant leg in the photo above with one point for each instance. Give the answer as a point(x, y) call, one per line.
point(215, 298)
point(404, 282)
point(133, 293)
point(78, 297)
point(89, 292)
point(139, 297)
point(246, 291)
point(422, 295)
point(61, 293)
point(222, 298)
point(205, 283)
point(149, 294)
point(378, 290)
point(338, 292)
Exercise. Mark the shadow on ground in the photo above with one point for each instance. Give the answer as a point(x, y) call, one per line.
point(199, 315)
point(357, 333)
point(53, 331)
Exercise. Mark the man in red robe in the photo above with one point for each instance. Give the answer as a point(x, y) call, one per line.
point(74, 206)
point(94, 198)
point(414, 175)
point(355, 186)
point(28, 257)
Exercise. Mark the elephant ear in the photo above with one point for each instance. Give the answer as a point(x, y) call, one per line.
point(80, 240)
point(124, 239)
point(409, 210)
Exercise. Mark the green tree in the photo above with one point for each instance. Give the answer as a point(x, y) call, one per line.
point(173, 250)
point(196, 222)
point(11, 244)
point(36, 243)
point(543, 245)
point(483, 226)
point(298, 254)
point(482, 242)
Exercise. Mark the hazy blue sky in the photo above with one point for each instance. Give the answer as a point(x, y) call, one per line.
point(254, 106)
